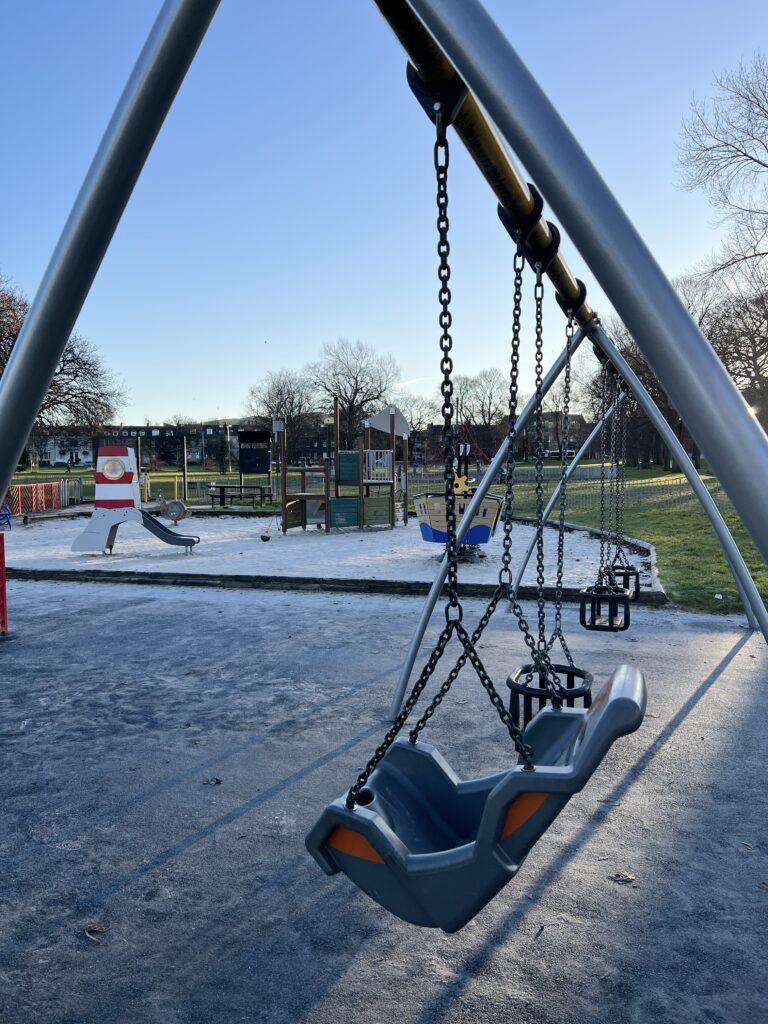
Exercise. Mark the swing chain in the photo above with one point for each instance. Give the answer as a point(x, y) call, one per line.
point(470, 653)
point(399, 722)
point(613, 485)
point(540, 661)
point(538, 294)
point(621, 481)
point(453, 610)
point(505, 573)
point(557, 633)
point(601, 572)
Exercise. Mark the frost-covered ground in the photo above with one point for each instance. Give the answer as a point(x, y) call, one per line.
point(233, 546)
point(167, 749)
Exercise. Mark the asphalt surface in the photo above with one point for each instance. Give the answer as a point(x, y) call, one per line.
point(164, 752)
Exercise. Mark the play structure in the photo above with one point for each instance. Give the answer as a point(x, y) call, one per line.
point(431, 510)
point(118, 501)
point(358, 489)
point(427, 847)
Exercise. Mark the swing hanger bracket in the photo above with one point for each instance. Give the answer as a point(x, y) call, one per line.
point(522, 227)
point(571, 306)
point(449, 99)
point(603, 359)
point(544, 257)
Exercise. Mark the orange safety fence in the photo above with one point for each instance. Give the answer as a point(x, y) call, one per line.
point(24, 498)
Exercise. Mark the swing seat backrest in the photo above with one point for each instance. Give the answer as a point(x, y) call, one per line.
point(434, 850)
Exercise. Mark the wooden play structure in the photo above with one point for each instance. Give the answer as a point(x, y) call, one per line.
point(357, 488)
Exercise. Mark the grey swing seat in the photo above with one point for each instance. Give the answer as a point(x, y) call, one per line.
point(434, 850)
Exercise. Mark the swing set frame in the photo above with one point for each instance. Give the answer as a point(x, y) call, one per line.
point(455, 51)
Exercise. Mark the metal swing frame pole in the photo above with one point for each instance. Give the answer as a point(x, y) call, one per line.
point(154, 82)
point(678, 353)
point(483, 487)
point(754, 607)
point(553, 498)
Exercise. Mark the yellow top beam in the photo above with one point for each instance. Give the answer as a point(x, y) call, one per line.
point(478, 136)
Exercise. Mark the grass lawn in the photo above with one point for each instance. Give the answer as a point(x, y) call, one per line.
point(690, 561)
point(689, 558)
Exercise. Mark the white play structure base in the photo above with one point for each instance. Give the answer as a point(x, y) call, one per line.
point(101, 531)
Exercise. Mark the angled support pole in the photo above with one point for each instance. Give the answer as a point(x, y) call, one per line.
point(138, 117)
point(748, 592)
point(484, 486)
point(678, 353)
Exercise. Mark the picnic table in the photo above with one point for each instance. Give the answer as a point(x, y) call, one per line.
point(239, 493)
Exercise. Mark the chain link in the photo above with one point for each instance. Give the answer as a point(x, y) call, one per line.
point(622, 412)
point(399, 722)
point(538, 420)
point(601, 572)
point(505, 573)
point(453, 609)
point(557, 632)
point(614, 477)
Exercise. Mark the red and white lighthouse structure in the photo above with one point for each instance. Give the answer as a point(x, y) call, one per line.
point(118, 501)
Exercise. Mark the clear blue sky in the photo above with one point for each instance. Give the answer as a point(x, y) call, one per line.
point(289, 199)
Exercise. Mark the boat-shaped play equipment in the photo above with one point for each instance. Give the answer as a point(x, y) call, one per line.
point(430, 511)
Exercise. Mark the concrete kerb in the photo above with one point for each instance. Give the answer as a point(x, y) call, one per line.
point(656, 595)
point(402, 588)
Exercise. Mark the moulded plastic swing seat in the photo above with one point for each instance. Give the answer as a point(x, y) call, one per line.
point(434, 850)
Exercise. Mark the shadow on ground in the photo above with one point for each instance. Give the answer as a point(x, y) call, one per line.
point(161, 774)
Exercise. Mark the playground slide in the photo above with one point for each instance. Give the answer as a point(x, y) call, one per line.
point(101, 531)
point(163, 533)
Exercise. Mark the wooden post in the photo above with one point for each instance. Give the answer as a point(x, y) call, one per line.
point(360, 484)
point(184, 469)
point(405, 481)
point(283, 484)
point(336, 446)
point(327, 481)
point(392, 445)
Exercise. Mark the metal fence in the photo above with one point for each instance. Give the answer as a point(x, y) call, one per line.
point(659, 493)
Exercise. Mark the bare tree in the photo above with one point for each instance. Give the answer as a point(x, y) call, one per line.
point(489, 398)
point(724, 152)
point(420, 412)
point(83, 392)
point(740, 332)
point(480, 406)
point(287, 395)
point(360, 377)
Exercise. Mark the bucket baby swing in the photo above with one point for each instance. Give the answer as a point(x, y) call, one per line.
point(429, 848)
point(605, 606)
